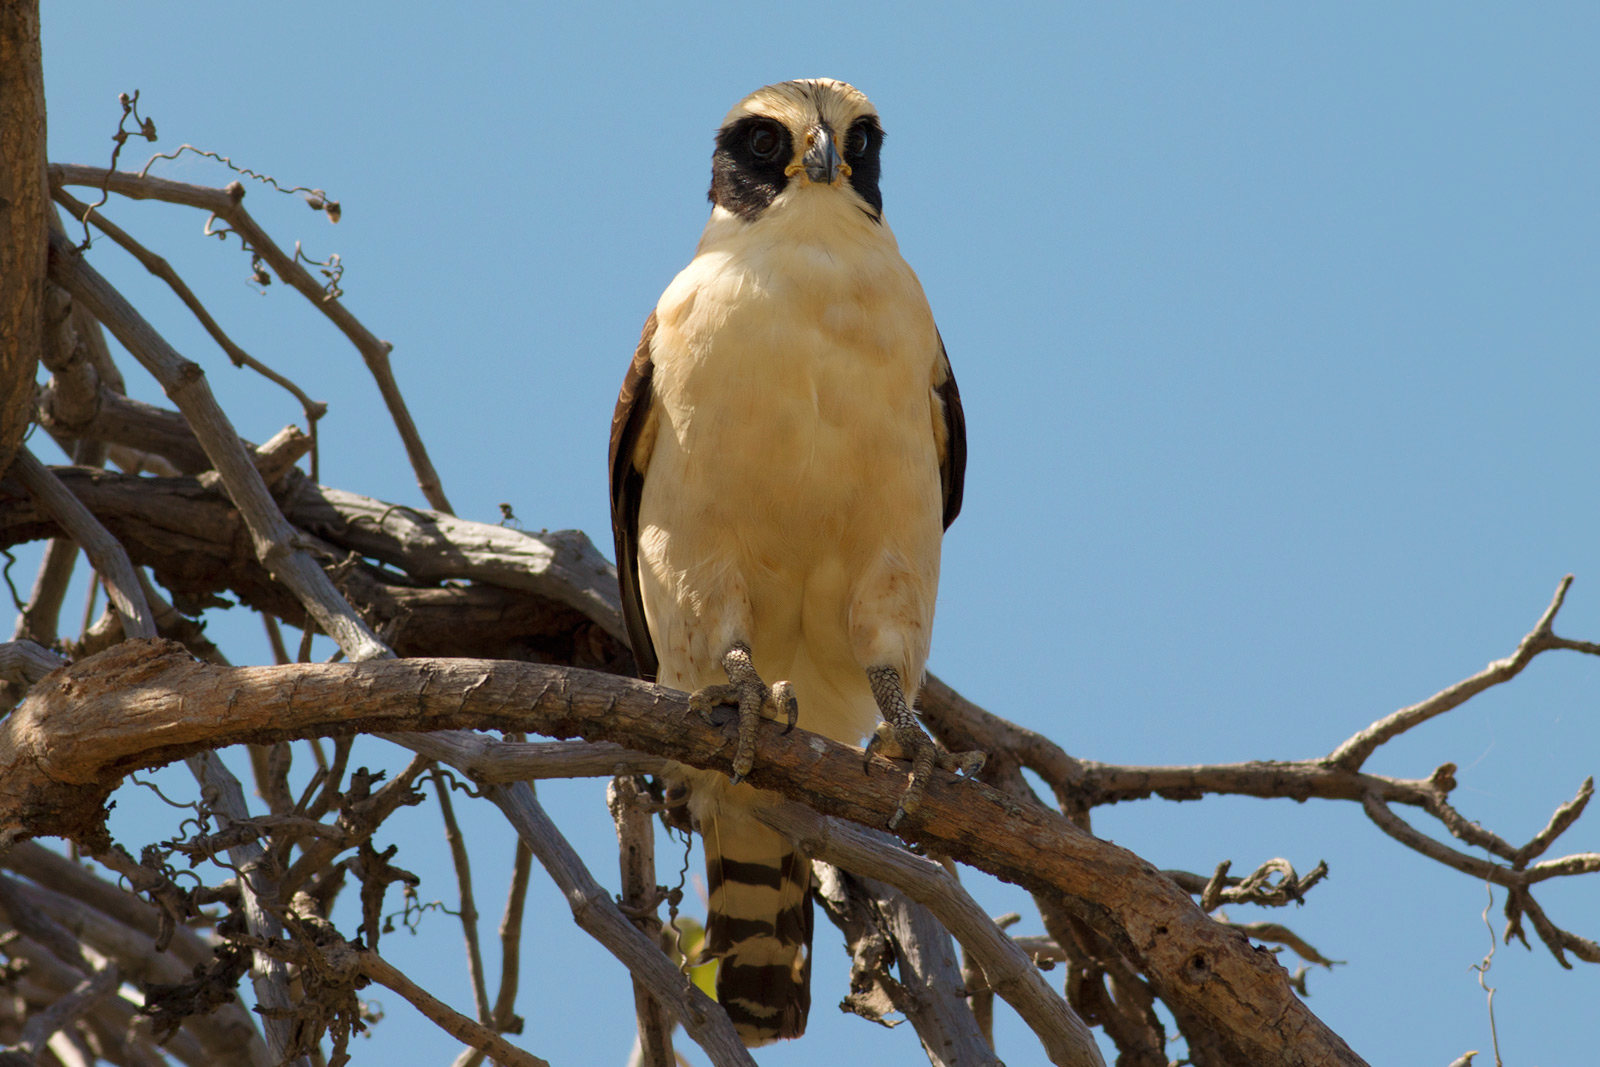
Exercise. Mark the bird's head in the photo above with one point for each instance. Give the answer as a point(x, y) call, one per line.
point(811, 133)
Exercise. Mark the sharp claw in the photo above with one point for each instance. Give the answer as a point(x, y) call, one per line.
point(753, 698)
point(784, 699)
point(873, 742)
point(894, 820)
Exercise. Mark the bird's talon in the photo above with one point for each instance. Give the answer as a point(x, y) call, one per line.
point(966, 764)
point(783, 700)
point(753, 697)
point(707, 699)
point(873, 743)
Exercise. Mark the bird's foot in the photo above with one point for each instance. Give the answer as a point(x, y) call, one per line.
point(900, 736)
point(753, 697)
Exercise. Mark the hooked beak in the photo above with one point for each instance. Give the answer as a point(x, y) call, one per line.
point(821, 161)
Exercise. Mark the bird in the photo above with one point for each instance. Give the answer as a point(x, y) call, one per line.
point(787, 450)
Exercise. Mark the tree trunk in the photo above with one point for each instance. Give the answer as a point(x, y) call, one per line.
point(24, 232)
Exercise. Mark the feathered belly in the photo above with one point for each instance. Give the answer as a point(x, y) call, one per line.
point(783, 497)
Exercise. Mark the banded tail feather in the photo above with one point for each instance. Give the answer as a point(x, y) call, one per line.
point(759, 926)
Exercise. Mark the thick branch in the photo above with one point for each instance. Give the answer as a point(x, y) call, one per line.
point(53, 781)
point(24, 211)
point(197, 545)
point(563, 565)
point(22, 662)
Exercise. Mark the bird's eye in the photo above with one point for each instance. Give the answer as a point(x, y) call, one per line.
point(860, 138)
point(764, 142)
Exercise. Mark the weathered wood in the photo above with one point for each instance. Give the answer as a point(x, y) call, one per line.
point(78, 523)
point(185, 383)
point(595, 911)
point(144, 703)
point(881, 925)
point(24, 225)
point(556, 610)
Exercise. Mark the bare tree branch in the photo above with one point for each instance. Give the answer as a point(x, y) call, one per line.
point(314, 409)
point(1067, 1041)
point(505, 1018)
point(260, 890)
point(185, 383)
point(227, 204)
point(468, 910)
point(103, 551)
point(453, 1022)
point(67, 1010)
point(882, 926)
point(23, 223)
point(1354, 752)
point(595, 911)
point(636, 848)
point(22, 662)
point(1201, 966)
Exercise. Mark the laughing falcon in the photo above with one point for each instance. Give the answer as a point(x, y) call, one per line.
point(787, 451)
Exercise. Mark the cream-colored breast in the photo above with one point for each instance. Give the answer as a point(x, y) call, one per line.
point(794, 457)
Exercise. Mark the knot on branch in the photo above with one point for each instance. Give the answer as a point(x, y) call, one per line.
point(1274, 884)
point(212, 987)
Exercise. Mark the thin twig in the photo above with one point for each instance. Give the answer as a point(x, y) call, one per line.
point(1564, 817)
point(1354, 752)
point(316, 198)
point(505, 1018)
point(1482, 967)
point(226, 203)
point(155, 264)
point(1279, 934)
point(452, 1021)
point(468, 910)
point(146, 128)
point(1397, 828)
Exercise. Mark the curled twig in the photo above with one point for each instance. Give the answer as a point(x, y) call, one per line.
point(146, 129)
point(317, 199)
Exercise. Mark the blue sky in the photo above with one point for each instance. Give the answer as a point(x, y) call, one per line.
point(1275, 326)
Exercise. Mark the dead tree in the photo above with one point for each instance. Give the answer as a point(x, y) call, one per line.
point(446, 628)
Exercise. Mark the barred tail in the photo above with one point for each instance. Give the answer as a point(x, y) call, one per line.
point(759, 925)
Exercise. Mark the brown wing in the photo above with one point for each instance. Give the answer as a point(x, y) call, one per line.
point(628, 425)
point(953, 459)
